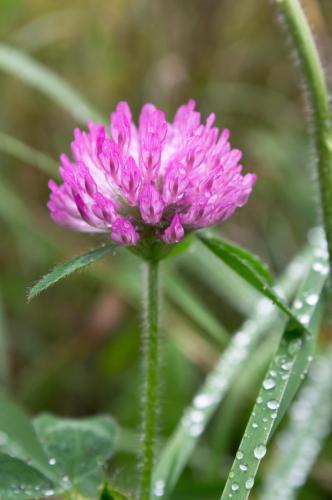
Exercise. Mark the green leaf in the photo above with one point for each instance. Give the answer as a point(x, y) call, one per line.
point(69, 267)
point(282, 380)
point(19, 481)
point(251, 269)
point(16, 426)
point(110, 493)
point(23, 66)
point(77, 448)
point(303, 438)
point(180, 445)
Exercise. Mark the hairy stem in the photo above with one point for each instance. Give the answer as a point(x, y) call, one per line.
point(305, 48)
point(151, 372)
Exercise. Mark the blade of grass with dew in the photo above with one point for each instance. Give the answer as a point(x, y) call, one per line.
point(251, 269)
point(241, 389)
point(63, 270)
point(300, 442)
point(21, 151)
point(35, 74)
point(180, 445)
point(283, 377)
point(303, 43)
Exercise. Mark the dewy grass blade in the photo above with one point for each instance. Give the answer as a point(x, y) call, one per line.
point(23, 66)
point(12, 146)
point(299, 444)
point(252, 270)
point(281, 381)
point(195, 419)
point(69, 267)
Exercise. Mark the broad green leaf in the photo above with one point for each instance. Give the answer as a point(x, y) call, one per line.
point(19, 481)
point(69, 267)
point(18, 149)
point(77, 449)
point(17, 428)
point(252, 270)
point(23, 66)
point(280, 383)
point(179, 447)
point(300, 442)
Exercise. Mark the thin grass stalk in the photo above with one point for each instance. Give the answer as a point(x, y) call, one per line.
point(305, 49)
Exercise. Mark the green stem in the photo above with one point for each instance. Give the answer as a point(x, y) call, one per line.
point(318, 99)
point(150, 389)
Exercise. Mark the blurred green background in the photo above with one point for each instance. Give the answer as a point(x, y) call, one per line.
point(75, 350)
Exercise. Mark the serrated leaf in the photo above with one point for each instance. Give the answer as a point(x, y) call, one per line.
point(69, 267)
point(77, 448)
point(251, 269)
point(18, 430)
point(19, 481)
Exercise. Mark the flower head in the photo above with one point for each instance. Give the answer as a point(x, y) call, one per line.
point(159, 180)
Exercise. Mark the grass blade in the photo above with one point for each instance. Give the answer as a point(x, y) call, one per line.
point(18, 149)
point(69, 267)
point(299, 444)
point(252, 270)
point(281, 382)
point(23, 66)
point(183, 296)
point(179, 447)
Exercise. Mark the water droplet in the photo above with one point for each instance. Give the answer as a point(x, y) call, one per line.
point(249, 483)
point(304, 319)
point(312, 299)
point(197, 416)
point(273, 404)
point(243, 467)
point(269, 384)
point(239, 455)
point(235, 486)
point(298, 304)
point(259, 400)
point(49, 493)
point(159, 488)
point(260, 451)
point(287, 365)
point(52, 461)
point(203, 400)
point(254, 425)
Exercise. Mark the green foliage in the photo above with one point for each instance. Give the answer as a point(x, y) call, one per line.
point(77, 449)
point(249, 267)
point(282, 379)
point(301, 441)
point(19, 481)
point(64, 270)
point(211, 394)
